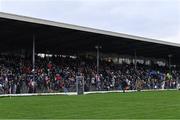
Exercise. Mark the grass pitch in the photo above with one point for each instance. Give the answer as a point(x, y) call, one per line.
point(138, 105)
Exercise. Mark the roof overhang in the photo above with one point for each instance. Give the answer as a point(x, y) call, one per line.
point(18, 31)
point(81, 28)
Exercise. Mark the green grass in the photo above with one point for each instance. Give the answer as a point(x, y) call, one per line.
point(154, 105)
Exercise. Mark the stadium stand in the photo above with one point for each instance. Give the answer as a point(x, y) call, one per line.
point(57, 74)
point(67, 48)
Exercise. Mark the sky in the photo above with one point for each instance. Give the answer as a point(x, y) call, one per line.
point(157, 19)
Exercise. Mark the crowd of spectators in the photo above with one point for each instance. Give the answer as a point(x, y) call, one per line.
point(58, 74)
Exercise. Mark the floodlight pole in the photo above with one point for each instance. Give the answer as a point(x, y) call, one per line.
point(33, 57)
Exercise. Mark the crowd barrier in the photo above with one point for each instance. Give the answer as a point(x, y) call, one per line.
point(85, 93)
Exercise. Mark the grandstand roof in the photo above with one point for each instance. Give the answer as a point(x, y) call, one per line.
point(17, 32)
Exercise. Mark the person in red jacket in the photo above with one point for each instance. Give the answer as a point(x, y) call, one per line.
point(58, 79)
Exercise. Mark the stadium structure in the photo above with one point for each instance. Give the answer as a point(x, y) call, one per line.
point(17, 32)
point(31, 36)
